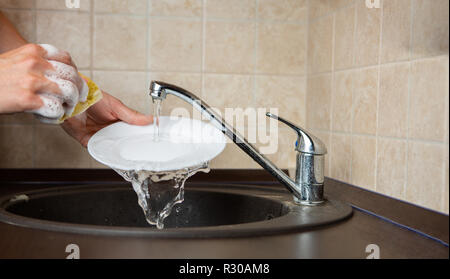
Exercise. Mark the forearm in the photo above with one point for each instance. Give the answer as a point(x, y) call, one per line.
point(9, 36)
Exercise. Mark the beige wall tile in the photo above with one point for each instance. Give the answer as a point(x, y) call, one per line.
point(115, 47)
point(393, 104)
point(365, 101)
point(290, 96)
point(186, 8)
point(175, 45)
point(320, 45)
point(66, 31)
point(447, 120)
point(16, 146)
point(319, 102)
point(281, 48)
point(220, 92)
point(24, 23)
point(129, 87)
point(429, 89)
point(318, 8)
point(396, 30)
point(282, 10)
point(231, 9)
point(277, 144)
point(430, 28)
point(121, 6)
point(445, 203)
point(56, 149)
point(391, 167)
point(342, 102)
point(344, 38)
point(228, 91)
point(368, 28)
point(233, 158)
point(363, 161)
point(425, 177)
point(17, 4)
point(97, 165)
point(230, 47)
point(340, 153)
point(86, 73)
point(285, 155)
point(188, 81)
point(85, 5)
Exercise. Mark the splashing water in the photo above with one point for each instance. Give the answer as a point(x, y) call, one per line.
point(159, 192)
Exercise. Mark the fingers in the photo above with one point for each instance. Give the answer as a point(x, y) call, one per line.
point(61, 89)
point(69, 94)
point(130, 116)
point(54, 54)
point(52, 108)
point(40, 84)
point(49, 61)
point(30, 102)
point(69, 73)
point(64, 71)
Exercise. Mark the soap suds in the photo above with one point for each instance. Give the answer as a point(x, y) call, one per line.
point(73, 89)
point(69, 73)
point(52, 108)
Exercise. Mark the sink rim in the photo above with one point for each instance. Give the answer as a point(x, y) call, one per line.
point(292, 221)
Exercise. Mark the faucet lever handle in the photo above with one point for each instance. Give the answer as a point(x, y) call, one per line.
point(307, 143)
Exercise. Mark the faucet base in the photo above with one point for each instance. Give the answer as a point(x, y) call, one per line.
point(308, 203)
point(311, 194)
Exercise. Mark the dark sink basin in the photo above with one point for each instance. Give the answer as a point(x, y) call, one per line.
point(207, 211)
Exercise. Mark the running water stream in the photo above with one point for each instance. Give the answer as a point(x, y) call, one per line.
point(156, 115)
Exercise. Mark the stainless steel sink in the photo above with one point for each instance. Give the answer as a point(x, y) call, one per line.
point(209, 210)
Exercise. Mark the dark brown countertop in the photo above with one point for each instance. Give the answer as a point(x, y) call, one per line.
point(400, 229)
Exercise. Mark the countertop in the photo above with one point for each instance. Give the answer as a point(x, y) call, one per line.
point(399, 229)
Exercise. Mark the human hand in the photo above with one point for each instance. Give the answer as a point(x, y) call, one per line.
point(25, 72)
point(107, 111)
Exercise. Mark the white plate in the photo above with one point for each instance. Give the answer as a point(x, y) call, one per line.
point(183, 143)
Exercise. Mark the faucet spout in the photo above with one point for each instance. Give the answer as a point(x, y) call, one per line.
point(304, 193)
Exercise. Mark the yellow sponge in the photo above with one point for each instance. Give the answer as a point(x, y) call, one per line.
point(94, 95)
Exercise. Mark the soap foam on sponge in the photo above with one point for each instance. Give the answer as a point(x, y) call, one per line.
point(78, 92)
point(52, 112)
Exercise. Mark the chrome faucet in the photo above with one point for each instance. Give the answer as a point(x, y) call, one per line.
point(309, 177)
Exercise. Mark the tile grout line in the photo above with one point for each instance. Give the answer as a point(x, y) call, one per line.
point(445, 144)
point(91, 35)
point(203, 72)
point(408, 107)
point(305, 99)
point(34, 127)
point(333, 88)
point(255, 53)
point(148, 108)
point(308, 3)
point(192, 72)
point(380, 47)
point(352, 114)
point(424, 141)
point(386, 64)
point(91, 62)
